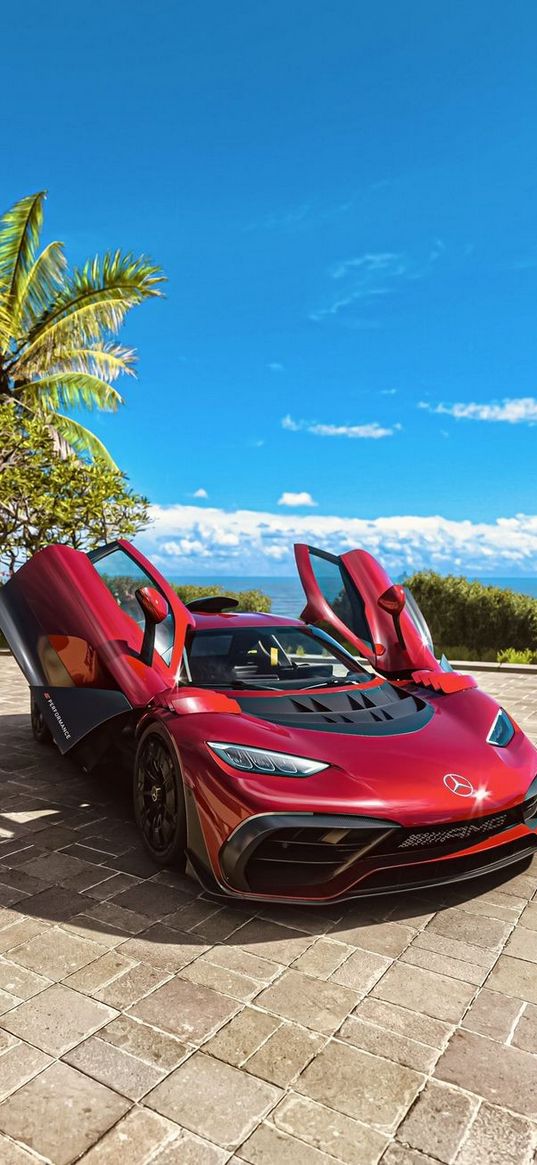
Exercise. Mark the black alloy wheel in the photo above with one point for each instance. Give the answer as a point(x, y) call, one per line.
point(40, 731)
point(159, 803)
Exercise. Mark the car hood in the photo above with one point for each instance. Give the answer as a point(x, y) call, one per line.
point(398, 776)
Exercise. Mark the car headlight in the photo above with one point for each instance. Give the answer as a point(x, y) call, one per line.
point(259, 760)
point(502, 730)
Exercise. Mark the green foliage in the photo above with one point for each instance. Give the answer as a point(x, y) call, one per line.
point(483, 618)
point(45, 498)
point(56, 325)
point(248, 600)
point(511, 655)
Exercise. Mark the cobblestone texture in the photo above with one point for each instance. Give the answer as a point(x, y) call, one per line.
point(140, 1021)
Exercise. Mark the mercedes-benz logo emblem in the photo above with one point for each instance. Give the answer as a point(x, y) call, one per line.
point(459, 785)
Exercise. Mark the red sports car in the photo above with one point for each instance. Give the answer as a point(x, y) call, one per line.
point(264, 755)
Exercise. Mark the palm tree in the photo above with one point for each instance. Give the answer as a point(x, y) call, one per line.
point(57, 325)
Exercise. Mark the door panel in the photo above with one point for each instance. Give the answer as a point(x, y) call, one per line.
point(344, 591)
point(67, 631)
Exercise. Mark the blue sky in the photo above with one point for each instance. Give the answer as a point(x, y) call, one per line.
point(344, 199)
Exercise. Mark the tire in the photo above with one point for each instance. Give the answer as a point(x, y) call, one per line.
point(40, 731)
point(158, 796)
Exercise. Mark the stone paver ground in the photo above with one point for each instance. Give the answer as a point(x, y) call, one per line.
point(140, 1021)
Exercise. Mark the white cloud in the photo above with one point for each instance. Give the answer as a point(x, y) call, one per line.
point(296, 499)
point(200, 493)
point(520, 410)
point(256, 542)
point(275, 367)
point(370, 277)
point(371, 431)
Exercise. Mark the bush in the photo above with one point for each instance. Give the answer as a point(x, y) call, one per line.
point(483, 618)
point(248, 600)
point(511, 655)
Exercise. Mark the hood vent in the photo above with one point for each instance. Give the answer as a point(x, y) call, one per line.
point(382, 711)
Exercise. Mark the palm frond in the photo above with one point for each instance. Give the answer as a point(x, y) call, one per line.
point(78, 439)
point(70, 390)
point(108, 360)
point(94, 301)
point(38, 288)
point(19, 236)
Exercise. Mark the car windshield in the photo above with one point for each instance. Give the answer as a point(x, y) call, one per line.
point(269, 658)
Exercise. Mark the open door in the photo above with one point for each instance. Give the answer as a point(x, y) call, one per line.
point(76, 629)
point(354, 595)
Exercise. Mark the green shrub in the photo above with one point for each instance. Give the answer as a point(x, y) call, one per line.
point(483, 618)
point(248, 600)
point(511, 655)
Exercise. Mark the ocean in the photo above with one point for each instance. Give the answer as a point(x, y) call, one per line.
point(288, 597)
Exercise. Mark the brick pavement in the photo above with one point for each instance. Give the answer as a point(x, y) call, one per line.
point(139, 1021)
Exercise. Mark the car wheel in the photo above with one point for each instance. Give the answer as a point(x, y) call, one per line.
point(159, 802)
point(40, 730)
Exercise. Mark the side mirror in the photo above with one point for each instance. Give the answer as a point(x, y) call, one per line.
point(155, 609)
point(393, 601)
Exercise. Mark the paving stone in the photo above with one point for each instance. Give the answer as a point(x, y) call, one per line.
point(280, 1059)
point(340, 1136)
point(514, 977)
point(60, 1113)
point(528, 918)
point(437, 1122)
point(241, 1038)
point(310, 919)
point(311, 1002)
point(97, 974)
point(497, 1138)
point(399, 1155)
point(20, 932)
point(130, 986)
point(197, 1095)
point(368, 1088)
point(18, 981)
point(371, 1038)
point(164, 948)
point(269, 1144)
point(205, 972)
point(361, 971)
point(18, 1064)
point(244, 963)
point(57, 1019)
point(460, 924)
point(523, 944)
point(525, 1033)
point(189, 1149)
point(445, 965)
point(56, 953)
point(135, 1139)
point(115, 1067)
point(151, 899)
point(492, 1014)
point(509, 1079)
point(153, 1047)
point(57, 868)
point(323, 958)
point(384, 938)
point(425, 991)
point(454, 948)
point(269, 940)
point(222, 924)
point(125, 922)
point(111, 885)
point(56, 904)
point(400, 1020)
point(185, 1009)
point(12, 1154)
